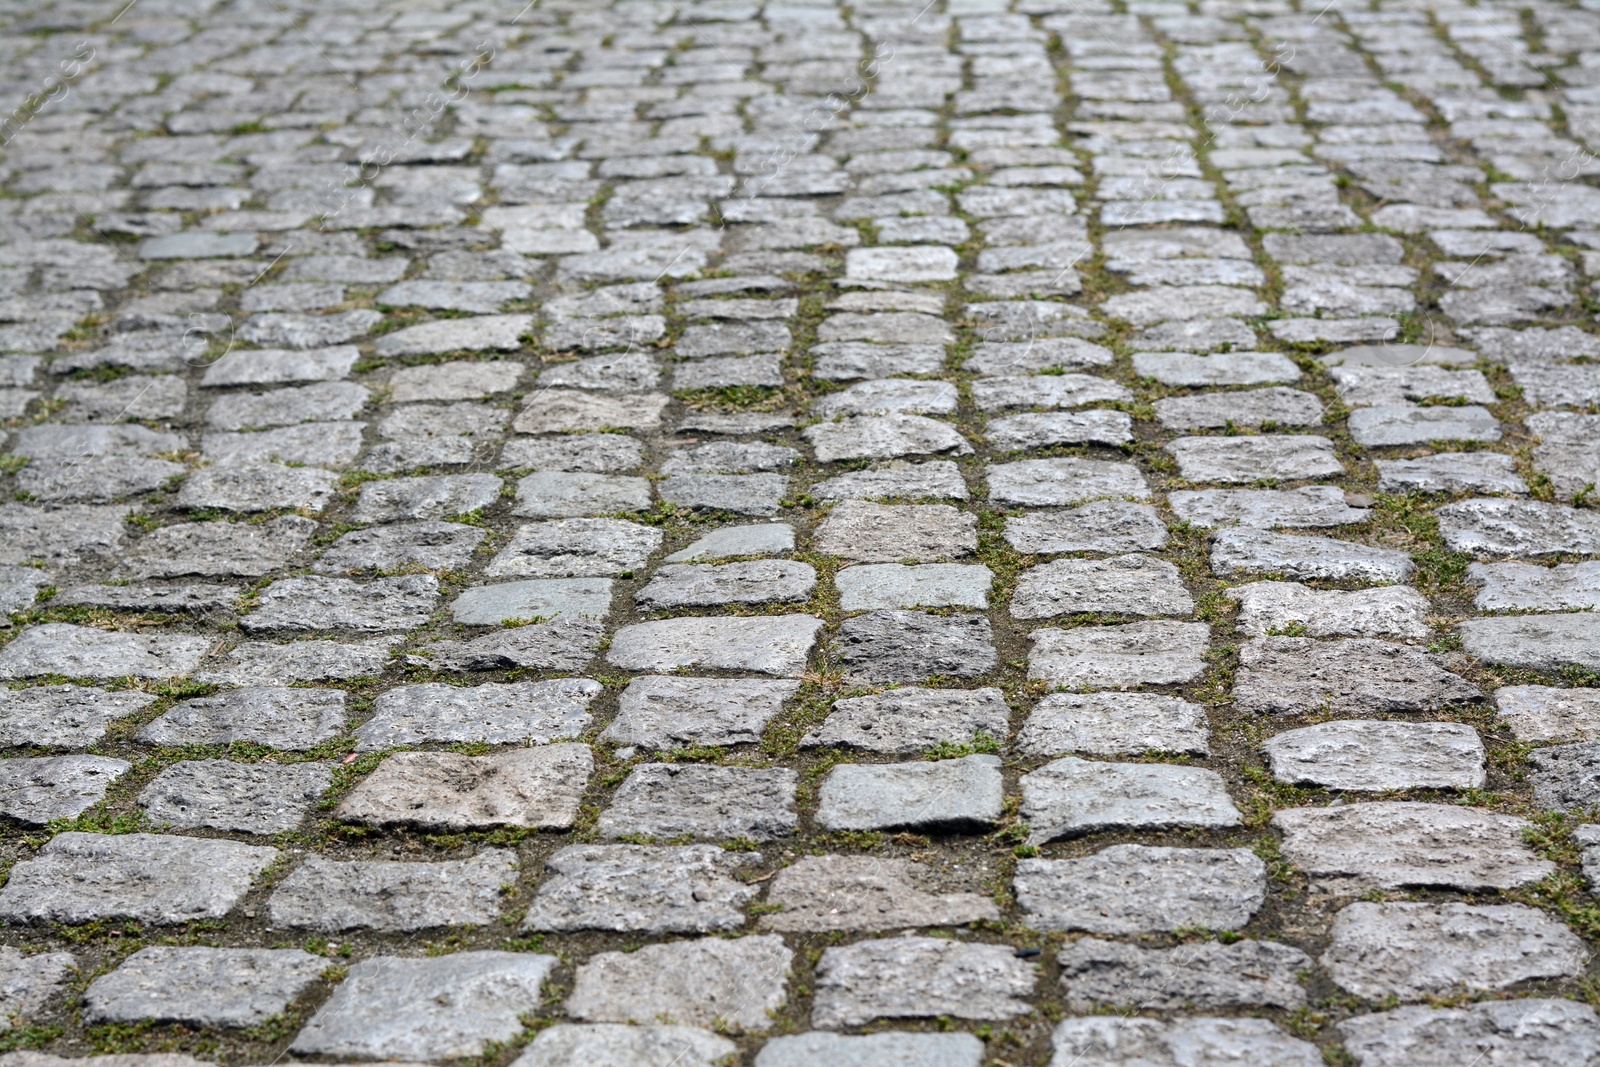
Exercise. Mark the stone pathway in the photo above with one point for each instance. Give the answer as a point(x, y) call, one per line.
point(978, 533)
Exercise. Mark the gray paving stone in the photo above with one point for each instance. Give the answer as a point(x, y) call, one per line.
point(1043, 430)
point(1063, 482)
point(327, 445)
point(832, 892)
point(258, 487)
point(1379, 756)
point(330, 895)
point(911, 646)
point(445, 1007)
point(321, 603)
point(1241, 551)
point(1098, 526)
point(36, 791)
point(777, 645)
point(1412, 951)
point(866, 587)
point(919, 977)
point(1196, 335)
point(884, 437)
point(1534, 1031)
point(463, 380)
point(502, 713)
point(1136, 889)
point(955, 794)
point(322, 402)
point(878, 533)
point(19, 588)
point(759, 539)
point(1035, 355)
point(433, 545)
point(753, 582)
point(889, 396)
point(81, 877)
point(730, 457)
point(435, 497)
point(1110, 724)
point(912, 719)
point(63, 534)
point(845, 360)
point(498, 332)
point(1251, 459)
point(1107, 1041)
point(538, 788)
point(643, 889)
point(1070, 797)
point(292, 719)
point(1493, 527)
point(1123, 585)
point(64, 716)
point(1355, 676)
point(1200, 974)
point(1545, 713)
point(251, 798)
point(887, 1049)
point(1289, 607)
point(555, 494)
point(709, 982)
point(672, 800)
point(62, 648)
point(667, 713)
point(576, 411)
point(56, 441)
point(591, 453)
point(29, 982)
point(626, 1046)
point(536, 599)
point(1139, 653)
point(1404, 424)
point(937, 479)
point(96, 479)
point(1566, 777)
point(1222, 368)
point(1312, 505)
point(1397, 845)
point(165, 599)
point(232, 987)
point(1045, 391)
point(1512, 586)
point(1251, 407)
point(277, 366)
point(265, 663)
point(1537, 642)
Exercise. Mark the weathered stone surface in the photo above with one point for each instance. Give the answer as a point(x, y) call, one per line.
point(1311, 505)
point(919, 977)
point(626, 1046)
point(1496, 528)
point(704, 585)
point(556, 494)
point(953, 794)
point(517, 712)
point(1538, 1032)
point(887, 1049)
point(1134, 889)
point(1063, 482)
point(670, 800)
point(341, 604)
point(64, 716)
point(1241, 551)
point(667, 713)
point(278, 717)
point(1109, 1041)
point(1224, 368)
point(254, 455)
point(1122, 585)
point(1537, 642)
point(425, 498)
point(1110, 724)
point(1199, 974)
point(37, 791)
point(832, 892)
point(1379, 756)
point(534, 600)
point(1250, 459)
point(1451, 472)
point(329, 895)
point(870, 586)
point(29, 982)
point(889, 396)
point(85, 652)
point(202, 986)
point(911, 646)
point(258, 486)
point(445, 1007)
point(1567, 777)
point(1395, 845)
point(575, 548)
point(322, 402)
point(1413, 951)
point(1115, 657)
point(878, 533)
point(708, 982)
point(264, 663)
point(464, 380)
point(884, 437)
point(594, 453)
point(912, 719)
point(1070, 796)
point(1287, 407)
point(1513, 586)
point(777, 645)
point(1356, 676)
point(1098, 526)
point(79, 877)
point(500, 332)
point(760, 539)
point(643, 889)
point(1544, 713)
point(252, 798)
point(61, 534)
point(1278, 607)
point(537, 788)
point(436, 546)
point(1405, 424)
point(936, 479)
point(576, 411)
point(218, 549)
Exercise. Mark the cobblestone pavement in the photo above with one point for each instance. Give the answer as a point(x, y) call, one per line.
point(991, 533)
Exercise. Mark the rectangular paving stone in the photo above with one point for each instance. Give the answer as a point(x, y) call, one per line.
point(332, 895)
point(919, 977)
point(81, 877)
point(1135, 889)
point(275, 716)
point(1531, 1029)
point(1496, 527)
point(912, 719)
point(777, 645)
point(196, 986)
point(64, 716)
point(707, 982)
point(425, 498)
point(1123, 585)
point(1098, 526)
point(575, 548)
point(1240, 551)
point(877, 533)
point(30, 982)
point(834, 892)
point(955, 794)
point(913, 646)
point(567, 643)
point(39, 790)
point(560, 494)
point(664, 713)
point(62, 648)
point(1308, 506)
point(252, 798)
point(886, 1049)
point(1293, 675)
point(497, 713)
point(538, 788)
point(1537, 642)
point(319, 603)
point(645, 889)
point(537, 599)
point(1110, 724)
point(266, 663)
point(1223, 368)
point(757, 539)
point(1379, 756)
point(1250, 459)
point(1198, 974)
point(1069, 797)
point(897, 479)
point(434, 546)
point(711, 585)
point(1278, 607)
point(867, 587)
point(1063, 482)
point(1134, 1042)
point(1547, 713)
point(1140, 653)
point(670, 800)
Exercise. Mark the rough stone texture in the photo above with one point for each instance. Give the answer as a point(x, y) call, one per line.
point(1309, 506)
point(1512, 586)
point(877, 533)
point(202, 986)
point(84, 652)
point(1451, 472)
point(776, 645)
point(1544, 713)
point(1046, 483)
point(515, 713)
point(1537, 642)
point(870, 586)
point(80, 877)
point(293, 719)
point(1135, 889)
point(341, 604)
point(538, 788)
point(332, 895)
point(1108, 1041)
point(390, 1007)
point(1198, 975)
point(764, 581)
point(711, 982)
point(643, 889)
point(1236, 552)
point(919, 977)
point(762, 539)
point(1111, 724)
point(1117, 657)
point(952, 794)
point(1122, 585)
point(670, 800)
point(1567, 777)
point(434, 546)
point(884, 647)
point(575, 548)
point(1379, 756)
point(1099, 526)
point(1355, 676)
point(626, 1046)
point(252, 798)
point(1070, 797)
point(667, 713)
point(833, 892)
point(886, 1049)
point(912, 719)
point(1394, 845)
point(1495, 527)
point(1279, 607)
point(28, 983)
point(1249, 459)
point(534, 600)
point(1412, 951)
point(1537, 1032)
point(37, 791)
